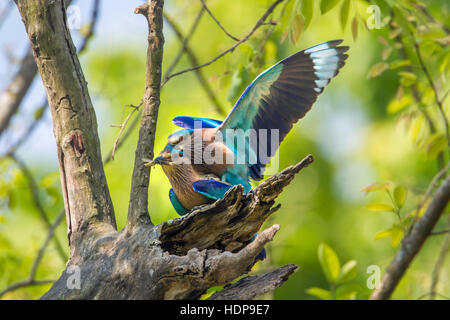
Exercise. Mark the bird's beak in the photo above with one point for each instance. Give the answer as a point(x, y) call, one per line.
point(158, 160)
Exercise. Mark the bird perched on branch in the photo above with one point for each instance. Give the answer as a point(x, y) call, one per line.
point(208, 157)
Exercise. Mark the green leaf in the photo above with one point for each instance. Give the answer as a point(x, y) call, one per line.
point(375, 187)
point(345, 9)
point(435, 144)
point(386, 53)
point(307, 9)
point(298, 24)
point(39, 112)
point(347, 292)
point(397, 235)
point(329, 262)
point(397, 105)
point(380, 207)
point(416, 127)
point(407, 78)
point(400, 193)
point(319, 293)
point(383, 234)
point(348, 272)
point(399, 63)
point(354, 28)
point(377, 69)
point(327, 5)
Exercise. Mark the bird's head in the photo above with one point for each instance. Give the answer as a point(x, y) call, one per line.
point(173, 153)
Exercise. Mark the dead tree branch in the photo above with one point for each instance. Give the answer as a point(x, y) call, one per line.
point(252, 287)
point(183, 257)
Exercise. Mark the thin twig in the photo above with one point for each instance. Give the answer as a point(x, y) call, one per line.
point(37, 201)
point(436, 94)
point(194, 61)
point(92, 24)
point(259, 23)
point(26, 283)
point(412, 243)
point(31, 278)
point(123, 125)
point(5, 12)
point(183, 45)
point(218, 22)
point(438, 265)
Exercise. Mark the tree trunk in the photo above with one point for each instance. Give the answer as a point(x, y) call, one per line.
point(177, 259)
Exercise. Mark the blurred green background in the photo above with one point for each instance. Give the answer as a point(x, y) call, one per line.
point(355, 141)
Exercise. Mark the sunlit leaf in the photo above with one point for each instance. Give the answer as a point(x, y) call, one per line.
point(394, 33)
point(435, 144)
point(399, 63)
point(380, 207)
point(396, 235)
point(329, 262)
point(397, 105)
point(297, 27)
point(386, 53)
point(375, 187)
point(319, 293)
point(327, 5)
point(307, 9)
point(377, 69)
point(347, 292)
point(383, 234)
point(416, 127)
point(407, 78)
point(354, 28)
point(348, 272)
point(345, 9)
point(400, 193)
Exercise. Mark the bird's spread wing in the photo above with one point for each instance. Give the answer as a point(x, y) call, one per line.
point(195, 122)
point(280, 96)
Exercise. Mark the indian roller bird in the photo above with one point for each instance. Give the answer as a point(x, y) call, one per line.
point(274, 101)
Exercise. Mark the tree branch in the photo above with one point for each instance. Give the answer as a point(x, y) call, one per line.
point(194, 62)
point(184, 44)
point(412, 243)
point(254, 286)
point(138, 206)
point(181, 258)
point(31, 281)
point(12, 97)
point(88, 205)
point(258, 24)
point(218, 22)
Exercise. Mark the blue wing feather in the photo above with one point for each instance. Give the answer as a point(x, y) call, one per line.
point(190, 122)
point(280, 96)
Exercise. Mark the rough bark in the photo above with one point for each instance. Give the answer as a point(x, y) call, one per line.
point(251, 287)
point(85, 192)
point(138, 206)
point(183, 257)
point(178, 259)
